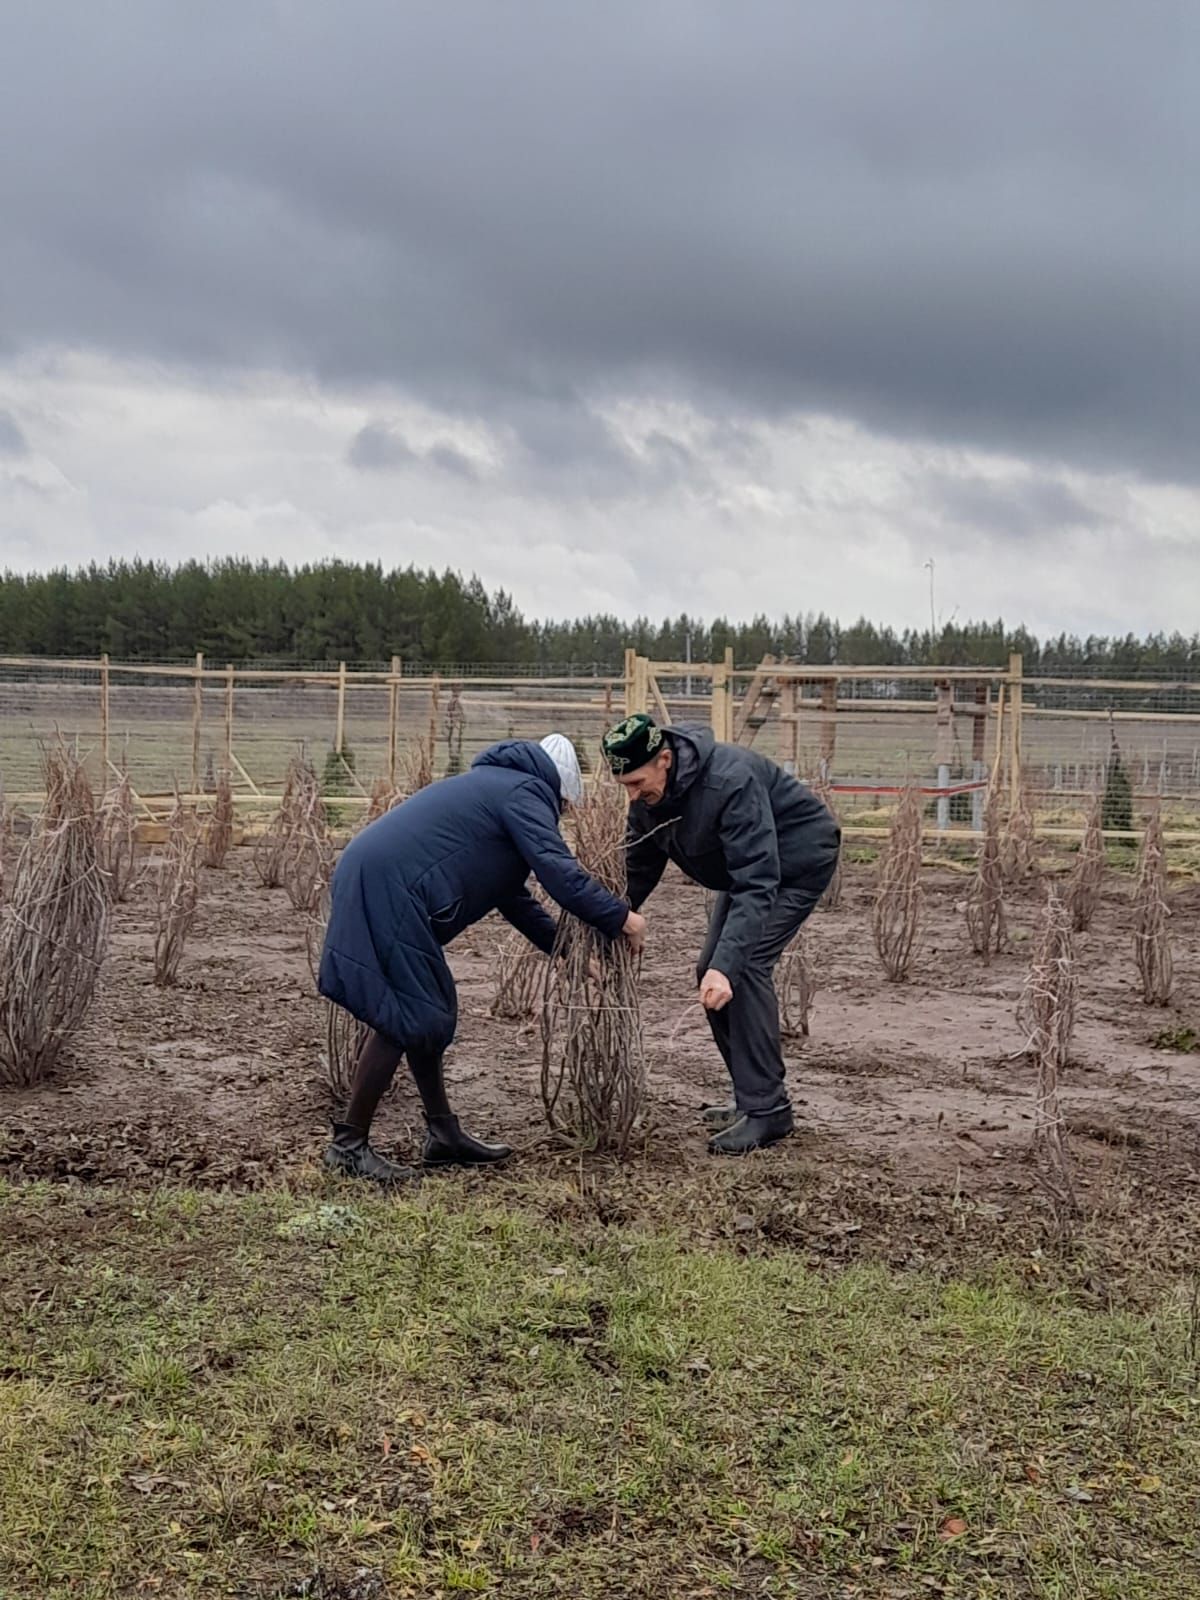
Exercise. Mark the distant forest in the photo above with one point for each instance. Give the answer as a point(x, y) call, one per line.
point(243, 611)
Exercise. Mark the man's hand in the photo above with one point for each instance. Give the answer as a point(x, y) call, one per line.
point(716, 991)
point(634, 932)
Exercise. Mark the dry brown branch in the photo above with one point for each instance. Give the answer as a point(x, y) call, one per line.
point(985, 898)
point(343, 1033)
point(307, 848)
point(1087, 876)
point(178, 893)
point(832, 898)
point(218, 826)
point(1018, 855)
point(54, 927)
point(6, 833)
point(416, 765)
point(896, 918)
point(593, 1071)
point(1152, 942)
point(1047, 1015)
point(520, 980)
point(116, 840)
point(796, 986)
point(383, 798)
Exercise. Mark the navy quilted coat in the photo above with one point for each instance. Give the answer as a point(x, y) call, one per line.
point(412, 881)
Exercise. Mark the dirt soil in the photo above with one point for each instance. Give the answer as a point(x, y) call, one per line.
point(914, 1101)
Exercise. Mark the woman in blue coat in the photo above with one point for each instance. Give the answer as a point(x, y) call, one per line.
point(409, 884)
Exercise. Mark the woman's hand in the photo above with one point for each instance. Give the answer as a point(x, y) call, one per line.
point(634, 932)
point(716, 991)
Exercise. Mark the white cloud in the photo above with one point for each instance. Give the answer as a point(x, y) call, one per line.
point(643, 503)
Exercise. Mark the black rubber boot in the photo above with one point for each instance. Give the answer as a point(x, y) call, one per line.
point(721, 1117)
point(352, 1157)
point(754, 1132)
point(449, 1146)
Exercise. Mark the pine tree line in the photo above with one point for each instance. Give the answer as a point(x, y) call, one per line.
point(240, 611)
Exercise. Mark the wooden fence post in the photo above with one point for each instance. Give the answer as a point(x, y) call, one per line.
point(197, 716)
point(104, 718)
point(1016, 669)
point(339, 742)
point(945, 744)
point(829, 698)
point(229, 681)
point(631, 672)
point(393, 718)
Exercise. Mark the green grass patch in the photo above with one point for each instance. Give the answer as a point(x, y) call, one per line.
point(230, 1394)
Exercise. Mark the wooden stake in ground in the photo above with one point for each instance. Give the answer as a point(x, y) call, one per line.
point(178, 893)
point(796, 987)
point(1047, 1015)
point(985, 898)
point(116, 839)
point(593, 1070)
point(218, 826)
point(1152, 943)
point(54, 927)
point(1087, 876)
point(896, 918)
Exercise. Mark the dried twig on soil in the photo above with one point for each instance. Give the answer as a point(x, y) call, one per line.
point(1019, 849)
point(218, 826)
point(54, 928)
point(1152, 943)
point(1087, 877)
point(593, 1071)
point(896, 918)
point(116, 839)
point(1047, 1015)
point(985, 898)
point(832, 898)
point(178, 893)
point(796, 986)
point(307, 848)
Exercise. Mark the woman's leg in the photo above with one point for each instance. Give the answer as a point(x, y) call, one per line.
point(350, 1152)
point(448, 1145)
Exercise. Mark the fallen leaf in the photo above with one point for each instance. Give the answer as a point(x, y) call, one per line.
point(535, 1540)
point(952, 1527)
point(1149, 1484)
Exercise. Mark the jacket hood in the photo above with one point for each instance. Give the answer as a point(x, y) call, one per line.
point(693, 748)
point(522, 755)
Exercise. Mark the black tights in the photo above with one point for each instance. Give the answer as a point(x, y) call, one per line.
point(374, 1070)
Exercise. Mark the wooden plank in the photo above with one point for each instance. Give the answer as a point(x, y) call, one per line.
point(339, 742)
point(246, 778)
point(229, 690)
point(197, 716)
point(1015, 669)
point(751, 699)
point(104, 712)
point(631, 682)
point(393, 708)
point(654, 695)
point(829, 699)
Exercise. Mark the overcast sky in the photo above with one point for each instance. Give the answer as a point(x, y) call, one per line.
point(727, 307)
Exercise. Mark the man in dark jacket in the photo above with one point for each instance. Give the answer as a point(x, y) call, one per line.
point(737, 823)
point(409, 884)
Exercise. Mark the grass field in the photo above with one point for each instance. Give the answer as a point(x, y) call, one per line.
point(322, 1393)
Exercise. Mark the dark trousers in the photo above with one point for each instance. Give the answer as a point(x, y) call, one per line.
point(747, 1030)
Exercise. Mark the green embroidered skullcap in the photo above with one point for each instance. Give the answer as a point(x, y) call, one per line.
point(632, 743)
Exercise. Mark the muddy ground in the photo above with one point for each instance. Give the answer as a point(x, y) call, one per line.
point(914, 1101)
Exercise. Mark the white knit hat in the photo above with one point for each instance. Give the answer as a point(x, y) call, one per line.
point(562, 752)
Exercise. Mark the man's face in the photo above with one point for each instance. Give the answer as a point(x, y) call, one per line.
point(648, 783)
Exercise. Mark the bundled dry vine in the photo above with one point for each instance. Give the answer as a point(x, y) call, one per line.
point(384, 795)
point(985, 898)
point(520, 980)
point(178, 893)
point(343, 1033)
point(1152, 943)
point(1047, 1015)
point(896, 917)
point(54, 927)
point(1087, 877)
point(796, 986)
point(1019, 851)
point(417, 765)
point(307, 848)
point(6, 832)
point(456, 728)
point(116, 840)
point(823, 789)
point(593, 1071)
point(218, 826)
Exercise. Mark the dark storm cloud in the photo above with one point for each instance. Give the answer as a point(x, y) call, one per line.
point(1025, 507)
point(378, 448)
point(972, 223)
point(12, 440)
